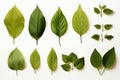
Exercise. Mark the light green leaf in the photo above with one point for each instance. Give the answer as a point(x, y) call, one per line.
point(14, 22)
point(37, 24)
point(66, 67)
point(73, 57)
point(108, 11)
point(16, 60)
point(109, 58)
point(52, 60)
point(104, 6)
point(35, 60)
point(80, 22)
point(96, 10)
point(97, 26)
point(96, 37)
point(108, 37)
point(59, 24)
point(108, 26)
point(65, 58)
point(79, 64)
point(96, 59)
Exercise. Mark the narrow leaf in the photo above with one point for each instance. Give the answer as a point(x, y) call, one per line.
point(66, 67)
point(59, 24)
point(14, 22)
point(109, 58)
point(16, 60)
point(96, 37)
point(108, 37)
point(52, 60)
point(97, 26)
point(80, 22)
point(73, 57)
point(79, 64)
point(108, 26)
point(96, 59)
point(35, 60)
point(108, 11)
point(96, 10)
point(37, 24)
point(65, 58)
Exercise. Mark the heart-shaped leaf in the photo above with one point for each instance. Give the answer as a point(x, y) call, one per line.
point(79, 64)
point(66, 67)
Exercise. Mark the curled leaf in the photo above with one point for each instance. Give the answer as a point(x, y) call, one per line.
point(66, 67)
point(96, 10)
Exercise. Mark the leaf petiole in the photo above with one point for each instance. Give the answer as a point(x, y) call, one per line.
point(36, 42)
point(80, 39)
point(59, 41)
point(16, 73)
point(13, 41)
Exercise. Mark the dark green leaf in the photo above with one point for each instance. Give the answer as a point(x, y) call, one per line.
point(79, 64)
point(103, 7)
point(108, 26)
point(96, 37)
point(59, 24)
point(108, 11)
point(66, 67)
point(73, 57)
point(96, 59)
point(65, 58)
point(97, 26)
point(37, 24)
point(96, 10)
point(109, 37)
point(109, 58)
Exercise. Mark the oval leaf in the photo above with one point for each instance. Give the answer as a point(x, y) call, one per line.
point(109, 58)
point(16, 60)
point(79, 64)
point(107, 26)
point(73, 57)
point(96, 37)
point(108, 11)
point(97, 26)
point(35, 60)
point(59, 24)
point(37, 24)
point(14, 22)
point(80, 22)
point(96, 59)
point(108, 37)
point(52, 60)
point(96, 10)
point(65, 58)
point(66, 67)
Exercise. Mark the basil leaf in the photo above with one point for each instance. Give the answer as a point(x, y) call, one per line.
point(14, 22)
point(37, 24)
point(108, 26)
point(73, 57)
point(52, 60)
point(35, 60)
point(109, 58)
point(96, 10)
point(65, 58)
point(66, 67)
point(108, 11)
point(108, 37)
point(80, 22)
point(79, 64)
point(16, 60)
point(59, 24)
point(97, 26)
point(96, 59)
point(96, 37)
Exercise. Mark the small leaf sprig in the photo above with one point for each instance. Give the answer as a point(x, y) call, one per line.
point(103, 9)
point(102, 36)
point(72, 61)
point(104, 63)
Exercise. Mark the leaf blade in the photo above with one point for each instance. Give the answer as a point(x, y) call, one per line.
point(96, 37)
point(109, 37)
point(66, 67)
point(96, 10)
point(108, 26)
point(108, 11)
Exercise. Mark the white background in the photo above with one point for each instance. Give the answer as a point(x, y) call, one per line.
point(70, 41)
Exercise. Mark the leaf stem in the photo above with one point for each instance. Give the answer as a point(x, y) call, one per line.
point(13, 41)
point(99, 71)
point(16, 73)
point(34, 71)
point(59, 41)
point(101, 14)
point(102, 33)
point(36, 42)
point(51, 72)
point(101, 37)
point(103, 71)
point(80, 39)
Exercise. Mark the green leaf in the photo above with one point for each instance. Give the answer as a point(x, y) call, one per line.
point(96, 10)
point(97, 26)
point(80, 22)
point(16, 60)
point(104, 6)
point(108, 26)
point(96, 59)
point(65, 58)
point(108, 37)
point(59, 24)
point(73, 57)
point(109, 58)
point(66, 67)
point(79, 64)
point(108, 11)
point(52, 60)
point(96, 37)
point(37, 24)
point(35, 60)
point(14, 22)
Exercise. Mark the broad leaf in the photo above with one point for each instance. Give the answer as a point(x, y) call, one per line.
point(107, 26)
point(66, 67)
point(16, 60)
point(14, 22)
point(108, 37)
point(80, 22)
point(97, 26)
point(37, 24)
point(35, 60)
point(96, 59)
point(108, 11)
point(96, 10)
point(79, 64)
point(109, 58)
point(59, 24)
point(73, 57)
point(96, 37)
point(65, 58)
point(52, 60)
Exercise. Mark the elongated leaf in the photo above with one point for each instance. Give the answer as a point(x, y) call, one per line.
point(73, 57)
point(35, 60)
point(96, 37)
point(96, 59)
point(14, 22)
point(52, 60)
point(109, 58)
point(66, 67)
point(80, 22)
point(108, 11)
point(108, 37)
point(16, 60)
point(97, 26)
point(65, 58)
point(108, 26)
point(59, 24)
point(79, 64)
point(37, 24)
point(96, 10)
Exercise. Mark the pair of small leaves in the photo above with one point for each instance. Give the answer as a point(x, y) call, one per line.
point(52, 60)
point(78, 63)
point(16, 60)
point(106, 26)
point(107, 61)
point(37, 24)
point(80, 22)
point(14, 22)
